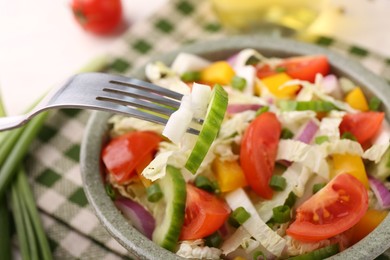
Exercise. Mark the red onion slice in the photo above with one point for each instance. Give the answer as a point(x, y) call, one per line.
point(139, 217)
point(238, 108)
point(307, 132)
point(380, 191)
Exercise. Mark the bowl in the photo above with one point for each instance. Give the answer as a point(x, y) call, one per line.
point(138, 245)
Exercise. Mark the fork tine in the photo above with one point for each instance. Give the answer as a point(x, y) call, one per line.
point(143, 85)
point(137, 92)
point(129, 111)
point(135, 102)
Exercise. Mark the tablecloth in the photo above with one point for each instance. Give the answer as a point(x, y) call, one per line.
point(73, 230)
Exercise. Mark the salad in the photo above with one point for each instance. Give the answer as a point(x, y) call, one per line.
point(290, 160)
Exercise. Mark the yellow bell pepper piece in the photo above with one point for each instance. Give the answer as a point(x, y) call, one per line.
point(230, 175)
point(139, 169)
point(219, 72)
point(274, 83)
point(352, 164)
point(356, 99)
point(368, 223)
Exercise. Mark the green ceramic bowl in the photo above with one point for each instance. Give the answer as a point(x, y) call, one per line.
point(142, 248)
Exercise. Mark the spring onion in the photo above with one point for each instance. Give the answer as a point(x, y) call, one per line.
point(204, 183)
point(190, 76)
point(321, 253)
point(5, 241)
point(262, 110)
point(291, 199)
point(32, 238)
point(281, 214)
point(286, 134)
point(213, 240)
point(374, 104)
point(154, 192)
point(314, 105)
point(349, 136)
point(259, 255)
point(238, 83)
point(277, 183)
point(318, 186)
point(110, 191)
point(321, 139)
point(240, 215)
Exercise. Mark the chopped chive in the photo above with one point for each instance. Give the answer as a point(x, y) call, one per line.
point(258, 254)
point(280, 69)
point(321, 253)
point(238, 83)
point(24, 188)
point(281, 214)
point(240, 215)
point(5, 241)
point(286, 134)
point(277, 183)
point(374, 104)
point(190, 76)
point(348, 135)
point(204, 183)
point(262, 110)
point(252, 60)
point(291, 199)
point(317, 187)
point(214, 240)
point(19, 223)
point(321, 139)
point(154, 192)
point(314, 105)
point(110, 191)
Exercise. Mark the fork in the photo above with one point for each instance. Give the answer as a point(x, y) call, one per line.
point(111, 93)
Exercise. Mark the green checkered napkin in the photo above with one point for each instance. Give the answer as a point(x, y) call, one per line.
point(53, 163)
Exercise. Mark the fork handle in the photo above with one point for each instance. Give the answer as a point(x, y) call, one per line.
point(11, 122)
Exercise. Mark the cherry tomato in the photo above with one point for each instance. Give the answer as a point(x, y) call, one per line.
point(334, 209)
point(364, 126)
point(98, 16)
point(303, 68)
point(258, 152)
point(123, 154)
point(204, 214)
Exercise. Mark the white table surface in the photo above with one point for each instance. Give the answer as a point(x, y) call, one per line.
point(41, 44)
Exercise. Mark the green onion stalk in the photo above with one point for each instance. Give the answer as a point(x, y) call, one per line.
point(5, 238)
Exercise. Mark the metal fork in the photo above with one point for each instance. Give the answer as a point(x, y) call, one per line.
point(106, 92)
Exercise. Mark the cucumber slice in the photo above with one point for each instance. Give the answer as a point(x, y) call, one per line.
point(210, 128)
point(168, 229)
point(381, 170)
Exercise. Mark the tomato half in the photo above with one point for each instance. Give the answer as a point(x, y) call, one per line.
point(303, 68)
point(123, 154)
point(258, 152)
point(364, 126)
point(98, 16)
point(204, 214)
point(334, 209)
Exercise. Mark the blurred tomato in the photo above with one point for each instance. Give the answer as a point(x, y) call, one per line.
point(98, 16)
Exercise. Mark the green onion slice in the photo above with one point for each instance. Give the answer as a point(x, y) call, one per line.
point(281, 214)
point(240, 215)
point(204, 183)
point(277, 183)
point(314, 105)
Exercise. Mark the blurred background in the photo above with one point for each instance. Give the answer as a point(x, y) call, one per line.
point(41, 43)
